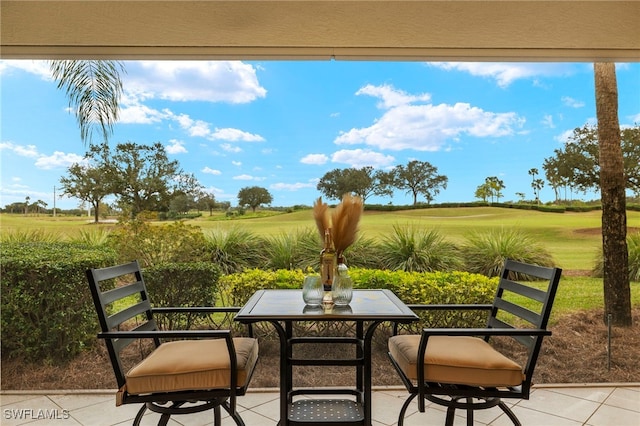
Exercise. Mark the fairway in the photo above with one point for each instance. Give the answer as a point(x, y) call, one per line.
point(573, 239)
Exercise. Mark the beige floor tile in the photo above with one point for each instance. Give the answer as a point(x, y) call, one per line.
point(595, 394)
point(6, 400)
point(530, 417)
point(625, 398)
point(557, 404)
point(40, 408)
point(611, 416)
point(74, 402)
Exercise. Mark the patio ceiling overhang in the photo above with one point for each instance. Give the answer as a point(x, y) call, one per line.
point(454, 30)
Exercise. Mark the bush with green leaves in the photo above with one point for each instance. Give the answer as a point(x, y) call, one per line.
point(412, 248)
point(156, 244)
point(181, 284)
point(486, 252)
point(633, 247)
point(47, 311)
point(236, 289)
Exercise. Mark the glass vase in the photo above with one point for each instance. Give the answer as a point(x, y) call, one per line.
point(342, 287)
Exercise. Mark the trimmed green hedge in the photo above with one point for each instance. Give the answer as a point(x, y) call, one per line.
point(47, 311)
point(410, 287)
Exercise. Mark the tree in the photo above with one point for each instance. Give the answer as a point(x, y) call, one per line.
point(483, 192)
point(88, 183)
point(362, 182)
point(577, 165)
point(494, 187)
point(142, 177)
point(419, 178)
point(253, 197)
point(206, 202)
point(536, 184)
point(94, 88)
point(617, 291)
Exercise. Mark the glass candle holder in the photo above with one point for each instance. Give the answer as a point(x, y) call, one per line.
point(312, 290)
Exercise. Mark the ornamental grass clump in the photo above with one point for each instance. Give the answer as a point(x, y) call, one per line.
point(633, 247)
point(485, 252)
point(413, 249)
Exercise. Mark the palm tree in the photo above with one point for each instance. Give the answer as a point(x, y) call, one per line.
point(94, 88)
point(617, 292)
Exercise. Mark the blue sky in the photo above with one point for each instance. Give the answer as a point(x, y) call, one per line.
point(283, 125)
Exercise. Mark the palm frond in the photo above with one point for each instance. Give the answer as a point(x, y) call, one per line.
point(93, 88)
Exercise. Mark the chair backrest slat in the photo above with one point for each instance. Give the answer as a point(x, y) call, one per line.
point(124, 307)
point(519, 311)
point(131, 312)
point(118, 293)
point(523, 290)
point(519, 299)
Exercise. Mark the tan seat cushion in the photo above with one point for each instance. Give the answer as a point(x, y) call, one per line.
point(192, 364)
point(456, 360)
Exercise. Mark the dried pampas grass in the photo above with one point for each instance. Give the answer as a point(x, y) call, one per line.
point(344, 222)
point(321, 216)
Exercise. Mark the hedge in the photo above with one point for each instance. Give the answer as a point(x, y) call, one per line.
point(47, 311)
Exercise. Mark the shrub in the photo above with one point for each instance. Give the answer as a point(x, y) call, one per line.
point(293, 250)
point(633, 247)
point(363, 253)
point(236, 289)
point(486, 252)
point(181, 284)
point(47, 311)
point(233, 250)
point(153, 245)
point(410, 248)
point(29, 236)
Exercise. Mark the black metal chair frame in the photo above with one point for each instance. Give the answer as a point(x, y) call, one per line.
point(164, 403)
point(471, 398)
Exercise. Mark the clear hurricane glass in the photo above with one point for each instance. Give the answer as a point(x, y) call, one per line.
point(342, 290)
point(312, 290)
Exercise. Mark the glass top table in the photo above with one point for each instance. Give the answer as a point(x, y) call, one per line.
point(282, 308)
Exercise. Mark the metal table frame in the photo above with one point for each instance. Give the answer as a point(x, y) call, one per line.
point(284, 307)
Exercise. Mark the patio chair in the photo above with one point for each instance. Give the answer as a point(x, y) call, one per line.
point(188, 371)
point(460, 369)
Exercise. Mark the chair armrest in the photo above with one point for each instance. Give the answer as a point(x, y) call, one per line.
point(451, 307)
point(485, 332)
point(443, 307)
point(194, 309)
point(156, 334)
point(200, 310)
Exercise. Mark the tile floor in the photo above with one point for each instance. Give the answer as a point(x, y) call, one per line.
point(550, 405)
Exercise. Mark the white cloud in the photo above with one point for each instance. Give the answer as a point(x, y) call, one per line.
point(230, 148)
point(21, 150)
point(314, 159)
point(506, 73)
point(391, 97)
point(570, 102)
point(58, 160)
point(428, 127)
point(547, 121)
point(176, 147)
point(237, 163)
point(210, 171)
point(564, 136)
point(234, 135)
point(208, 81)
point(281, 186)
point(248, 177)
point(359, 158)
point(39, 68)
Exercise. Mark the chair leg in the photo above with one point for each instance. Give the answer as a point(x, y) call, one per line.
point(403, 410)
point(138, 419)
point(234, 414)
point(470, 412)
point(451, 411)
point(509, 413)
point(164, 419)
point(217, 417)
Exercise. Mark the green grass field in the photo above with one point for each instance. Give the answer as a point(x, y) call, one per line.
point(573, 239)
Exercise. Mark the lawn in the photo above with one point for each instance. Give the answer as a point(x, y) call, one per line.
point(573, 239)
